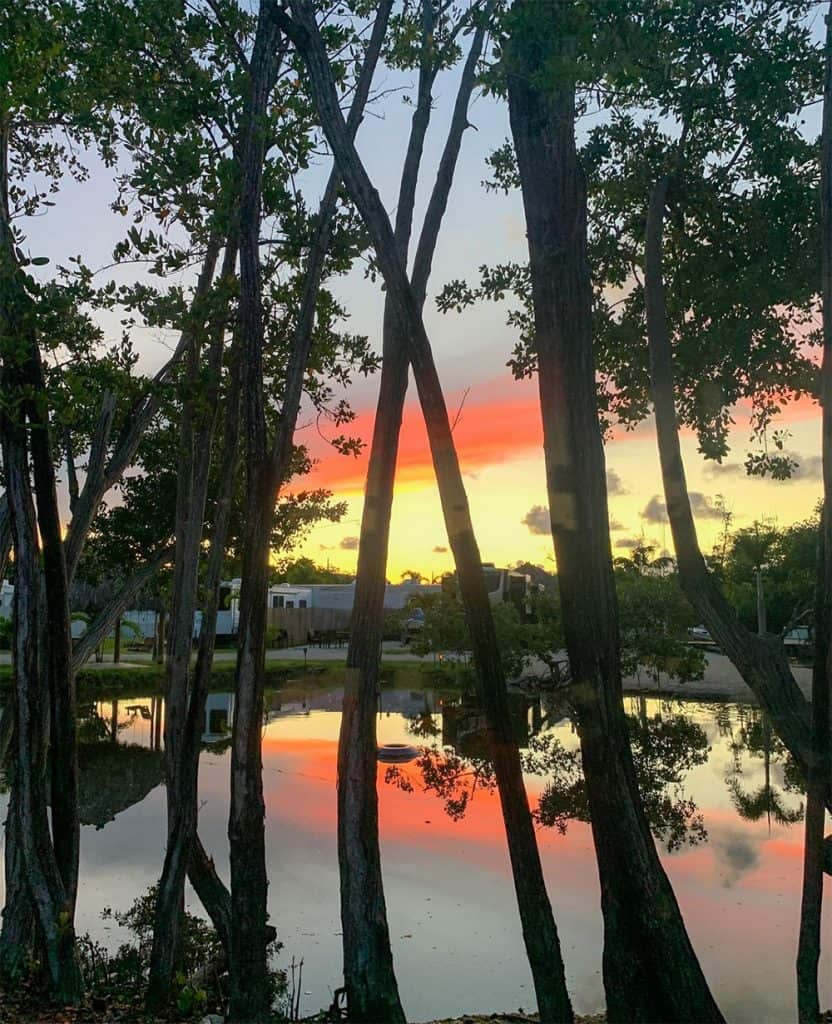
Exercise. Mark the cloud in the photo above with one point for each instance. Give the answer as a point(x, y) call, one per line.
point(703, 507)
point(628, 543)
point(655, 511)
point(809, 467)
point(537, 520)
point(440, 549)
point(614, 485)
point(616, 525)
point(733, 853)
point(348, 544)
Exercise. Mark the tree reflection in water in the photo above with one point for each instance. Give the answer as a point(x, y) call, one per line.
point(755, 738)
point(666, 745)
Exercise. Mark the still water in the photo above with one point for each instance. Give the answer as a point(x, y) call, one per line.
point(720, 792)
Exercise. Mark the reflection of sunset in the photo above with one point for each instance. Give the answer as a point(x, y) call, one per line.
point(448, 884)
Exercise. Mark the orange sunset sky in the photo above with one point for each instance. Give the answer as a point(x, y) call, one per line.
point(499, 439)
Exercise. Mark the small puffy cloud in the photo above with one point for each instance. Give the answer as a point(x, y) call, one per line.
point(703, 507)
point(628, 543)
point(537, 520)
point(614, 485)
point(724, 469)
point(440, 549)
point(655, 511)
point(349, 544)
point(809, 467)
point(616, 524)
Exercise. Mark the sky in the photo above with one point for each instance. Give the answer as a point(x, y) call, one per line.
point(498, 429)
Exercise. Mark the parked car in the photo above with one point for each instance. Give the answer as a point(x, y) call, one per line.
point(798, 641)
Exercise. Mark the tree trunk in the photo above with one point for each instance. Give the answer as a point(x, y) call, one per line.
point(266, 471)
point(761, 661)
point(820, 767)
point(249, 995)
point(181, 764)
point(117, 641)
point(538, 925)
point(5, 536)
point(762, 627)
point(17, 935)
point(41, 670)
point(103, 622)
point(52, 905)
point(650, 968)
point(161, 630)
point(372, 993)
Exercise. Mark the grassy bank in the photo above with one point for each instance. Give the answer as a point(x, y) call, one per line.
point(136, 680)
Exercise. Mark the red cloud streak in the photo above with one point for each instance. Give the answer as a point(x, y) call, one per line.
point(501, 425)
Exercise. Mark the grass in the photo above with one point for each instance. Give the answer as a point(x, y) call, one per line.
point(148, 679)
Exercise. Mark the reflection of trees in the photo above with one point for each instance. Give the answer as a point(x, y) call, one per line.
point(664, 750)
point(755, 738)
point(113, 777)
point(425, 724)
point(453, 779)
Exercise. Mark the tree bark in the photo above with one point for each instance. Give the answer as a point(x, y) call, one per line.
point(63, 754)
point(5, 536)
point(181, 755)
point(650, 968)
point(249, 995)
point(538, 925)
point(266, 470)
point(49, 898)
point(820, 767)
point(117, 641)
point(761, 661)
point(18, 934)
point(161, 632)
point(369, 977)
point(41, 669)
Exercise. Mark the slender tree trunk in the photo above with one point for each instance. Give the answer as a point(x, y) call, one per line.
point(369, 977)
point(761, 661)
point(820, 767)
point(249, 997)
point(5, 536)
point(117, 642)
point(161, 632)
point(651, 971)
point(762, 627)
point(103, 622)
point(538, 925)
point(181, 764)
point(266, 471)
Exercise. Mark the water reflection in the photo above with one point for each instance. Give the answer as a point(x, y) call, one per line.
point(452, 910)
point(755, 737)
point(666, 745)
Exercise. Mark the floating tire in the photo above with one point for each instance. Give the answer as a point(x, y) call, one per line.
point(397, 753)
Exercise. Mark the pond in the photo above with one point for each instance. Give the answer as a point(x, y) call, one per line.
point(723, 799)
